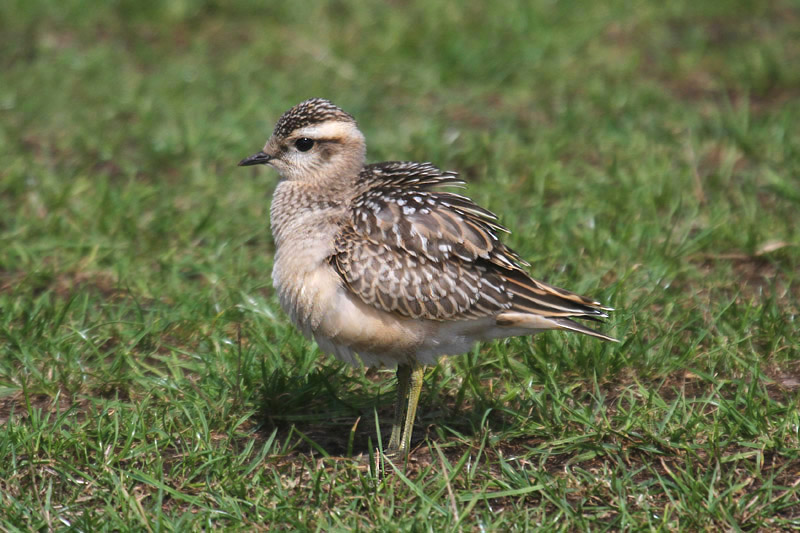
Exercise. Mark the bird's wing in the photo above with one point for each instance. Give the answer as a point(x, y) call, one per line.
point(398, 281)
point(424, 253)
point(400, 206)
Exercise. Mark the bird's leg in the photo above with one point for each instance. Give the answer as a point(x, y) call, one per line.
point(417, 373)
point(403, 380)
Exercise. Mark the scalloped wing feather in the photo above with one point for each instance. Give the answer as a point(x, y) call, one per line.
point(436, 255)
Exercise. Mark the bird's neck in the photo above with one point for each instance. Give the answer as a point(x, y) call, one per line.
point(303, 212)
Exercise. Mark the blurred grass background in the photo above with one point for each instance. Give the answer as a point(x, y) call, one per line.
point(643, 153)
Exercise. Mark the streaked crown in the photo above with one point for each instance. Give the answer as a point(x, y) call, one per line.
point(309, 113)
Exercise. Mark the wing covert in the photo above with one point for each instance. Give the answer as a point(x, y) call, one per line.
point(396, 281)
point(399, 205)
point(424, 253)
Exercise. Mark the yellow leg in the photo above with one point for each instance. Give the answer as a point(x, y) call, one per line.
point(417, 373)
point(409, 387)
point(403, 380)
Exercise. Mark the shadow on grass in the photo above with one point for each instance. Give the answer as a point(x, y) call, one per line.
point(335, 411)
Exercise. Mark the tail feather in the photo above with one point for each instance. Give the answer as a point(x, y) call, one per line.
point(534, 296)
point(535, 323)
point(571, 325)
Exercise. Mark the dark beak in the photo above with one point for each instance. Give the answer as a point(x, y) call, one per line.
point(256, 159)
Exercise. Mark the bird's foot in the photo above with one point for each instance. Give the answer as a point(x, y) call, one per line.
point(384, 459)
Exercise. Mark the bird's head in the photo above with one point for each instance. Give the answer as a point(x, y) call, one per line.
point(313, 141)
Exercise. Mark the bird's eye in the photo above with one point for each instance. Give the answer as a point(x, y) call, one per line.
point(304, 144)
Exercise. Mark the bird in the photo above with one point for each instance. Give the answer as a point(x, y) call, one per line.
point(384, 265)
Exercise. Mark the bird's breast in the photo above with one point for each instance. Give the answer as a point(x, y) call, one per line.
point(314, 295)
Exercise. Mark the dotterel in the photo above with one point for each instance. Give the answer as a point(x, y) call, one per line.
point(376, 261)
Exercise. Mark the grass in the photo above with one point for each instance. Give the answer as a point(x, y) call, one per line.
point(644, 153)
